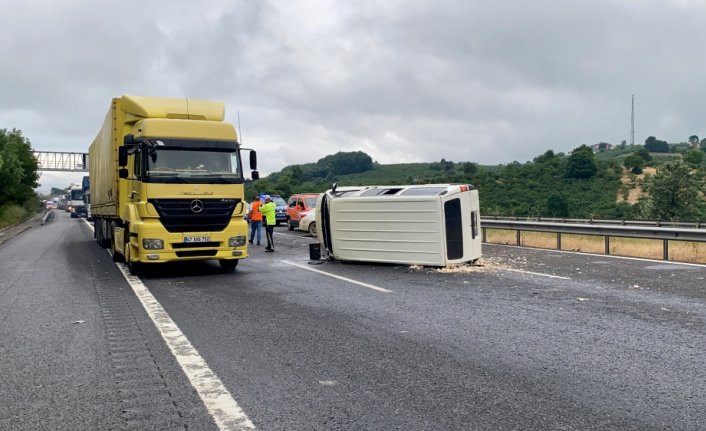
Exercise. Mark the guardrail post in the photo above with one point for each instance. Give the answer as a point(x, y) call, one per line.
point(519, 238)
point(558, 240)
point(665, 249)
point(483, 230)
point(607, 244)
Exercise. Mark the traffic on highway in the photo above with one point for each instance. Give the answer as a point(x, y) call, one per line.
point(522, 339)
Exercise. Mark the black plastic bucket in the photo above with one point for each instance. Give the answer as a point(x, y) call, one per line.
point(315, 251)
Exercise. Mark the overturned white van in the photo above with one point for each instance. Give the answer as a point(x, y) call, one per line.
point(429, 225)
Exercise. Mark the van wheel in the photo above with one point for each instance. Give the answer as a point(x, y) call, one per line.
point(228, 265)
point(312, 229)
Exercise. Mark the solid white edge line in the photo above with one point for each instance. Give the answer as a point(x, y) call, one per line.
point(219, 402)
point(359, 283)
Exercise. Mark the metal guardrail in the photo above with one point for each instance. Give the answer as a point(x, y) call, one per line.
point(658, 223)
point(605, 230)
point(48, 216)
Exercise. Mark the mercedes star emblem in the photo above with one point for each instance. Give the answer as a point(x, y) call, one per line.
point(196, 206)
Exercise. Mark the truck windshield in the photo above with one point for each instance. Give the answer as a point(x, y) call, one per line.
point(193, 165)
point(76, 195)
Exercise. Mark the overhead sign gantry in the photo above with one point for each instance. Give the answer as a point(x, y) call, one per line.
point(61, 161)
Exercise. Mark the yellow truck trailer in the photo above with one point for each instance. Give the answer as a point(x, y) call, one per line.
point(167, 182)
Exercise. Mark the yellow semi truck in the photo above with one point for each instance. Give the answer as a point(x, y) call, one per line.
point(167, 182)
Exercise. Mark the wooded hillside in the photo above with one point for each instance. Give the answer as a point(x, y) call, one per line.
point(582, 184)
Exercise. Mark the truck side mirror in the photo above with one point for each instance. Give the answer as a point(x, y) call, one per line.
point(122, 173)
point(122, 156)
point(253, 161)
point(255, 175)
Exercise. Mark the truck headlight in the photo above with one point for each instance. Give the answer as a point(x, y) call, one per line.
point(152, 244)
point(236, 241)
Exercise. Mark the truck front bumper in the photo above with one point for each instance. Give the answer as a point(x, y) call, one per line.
point(228, 244)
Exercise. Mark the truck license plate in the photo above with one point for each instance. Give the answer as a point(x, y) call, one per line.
point(197, 238)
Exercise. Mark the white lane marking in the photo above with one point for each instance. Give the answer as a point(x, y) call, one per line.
point(218, 400)
point(359, 283)
point(537, 273)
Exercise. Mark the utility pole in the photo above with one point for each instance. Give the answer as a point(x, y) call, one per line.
point(632, 122)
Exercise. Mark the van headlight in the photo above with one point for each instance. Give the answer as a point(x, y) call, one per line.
point(236, 241)
point(152, 244)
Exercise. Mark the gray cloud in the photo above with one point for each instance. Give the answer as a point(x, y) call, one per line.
point(489, 82)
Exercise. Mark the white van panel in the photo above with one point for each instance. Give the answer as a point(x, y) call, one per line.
point(401, 228)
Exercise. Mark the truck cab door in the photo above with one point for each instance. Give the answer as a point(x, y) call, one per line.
point(137, 174)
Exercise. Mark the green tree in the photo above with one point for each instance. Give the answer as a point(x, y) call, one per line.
point(655, 145)
point(557, 206)
point(56, 191)
point(469, 169)
point(694, 157)
point(547, 156)
point(644, 153)
point(18, 172)
point(343, 163)
point(673, 193)
point(581, 163)
point(635, 163)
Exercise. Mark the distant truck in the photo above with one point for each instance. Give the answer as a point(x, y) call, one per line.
point(86, 186)
point(166, 182)
point(75, 202)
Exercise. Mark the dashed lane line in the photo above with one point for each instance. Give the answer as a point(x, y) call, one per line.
point(349, 280)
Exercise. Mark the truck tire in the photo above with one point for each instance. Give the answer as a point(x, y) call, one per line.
point(228, 265)
point(135, 267)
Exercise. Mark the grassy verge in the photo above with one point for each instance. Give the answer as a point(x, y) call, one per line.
point(12, 214)
point(679, 251)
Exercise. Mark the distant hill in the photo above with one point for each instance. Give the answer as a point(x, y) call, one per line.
point(544, 187)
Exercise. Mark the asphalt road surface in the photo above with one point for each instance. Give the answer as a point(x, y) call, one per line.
point(531, 340)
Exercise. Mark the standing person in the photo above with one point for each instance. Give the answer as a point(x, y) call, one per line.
point(268, 215)
point(255, 218)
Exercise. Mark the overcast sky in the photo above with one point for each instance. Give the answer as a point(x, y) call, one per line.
point(404, 81)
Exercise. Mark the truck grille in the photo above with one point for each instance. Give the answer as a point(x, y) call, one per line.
point(177, 215)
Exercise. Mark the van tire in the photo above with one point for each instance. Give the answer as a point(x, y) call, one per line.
point(312, 229)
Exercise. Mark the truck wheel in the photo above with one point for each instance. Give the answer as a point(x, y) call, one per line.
point(134, 267)
point(117, 257)
point(228, 265)
point(312, 229)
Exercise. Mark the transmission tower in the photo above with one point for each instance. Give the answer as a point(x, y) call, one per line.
point(632, 121)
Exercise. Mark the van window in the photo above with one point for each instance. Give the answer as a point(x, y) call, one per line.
point(380, 192)
point(423, 191)
point(454, 229)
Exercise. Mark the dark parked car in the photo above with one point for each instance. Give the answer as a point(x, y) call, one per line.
point(281, 212)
